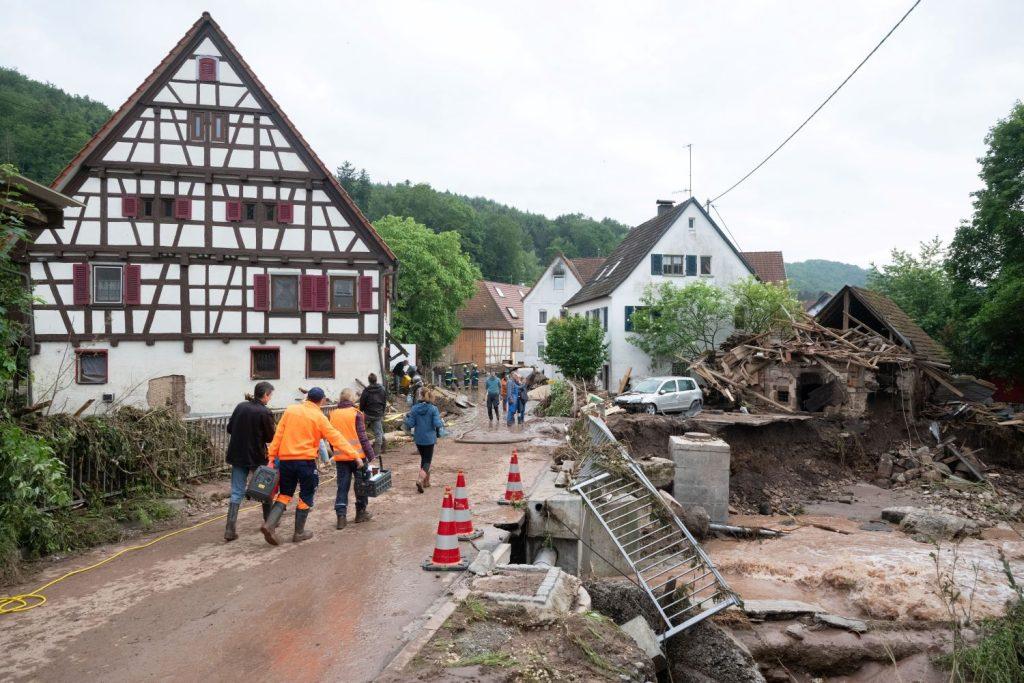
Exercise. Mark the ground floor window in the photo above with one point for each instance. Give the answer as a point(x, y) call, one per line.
point(265, 362)
point(319, 362)
point(91, 367)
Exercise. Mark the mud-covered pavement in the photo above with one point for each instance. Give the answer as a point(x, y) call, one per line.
point(196, 608)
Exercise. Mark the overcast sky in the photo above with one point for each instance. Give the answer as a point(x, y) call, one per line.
point(559, 107)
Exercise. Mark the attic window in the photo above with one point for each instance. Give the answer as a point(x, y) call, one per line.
point(692, 224)
point(512, 312)
point(558, 278)
point(206, 68)
point(500, 293)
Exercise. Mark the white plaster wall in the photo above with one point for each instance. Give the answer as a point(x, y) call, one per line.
point(544, 296)
point(216, 374)
point(704, 240)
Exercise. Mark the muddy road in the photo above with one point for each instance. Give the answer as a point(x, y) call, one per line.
point(196, 608)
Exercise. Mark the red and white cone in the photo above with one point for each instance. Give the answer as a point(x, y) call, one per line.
point(514, 487)
point(463, 515)
point(446, 555)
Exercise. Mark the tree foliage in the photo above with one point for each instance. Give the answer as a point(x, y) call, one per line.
point(576, 346)
point(986, 259)
point(41, 126)
point(508, 245)
point(762, 306)
point(680, 320)
point(435, 279)
point(920, 285)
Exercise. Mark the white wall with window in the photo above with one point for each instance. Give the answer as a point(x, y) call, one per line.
point(690, 250)
point(542, 304)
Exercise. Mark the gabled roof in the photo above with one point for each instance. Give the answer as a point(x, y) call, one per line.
point(637, 244)
point(488, 308)
point(586, 268)
point(881, 314)
point(767, 265)
point(204, 27)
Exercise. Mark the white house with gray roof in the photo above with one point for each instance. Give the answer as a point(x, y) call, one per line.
point(682, 244)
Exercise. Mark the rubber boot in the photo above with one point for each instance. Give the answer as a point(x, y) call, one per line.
point(270, 525)
point(230, 533)
point(300, 527)
point(266, 510)
point(342, 521)
point(363, 516)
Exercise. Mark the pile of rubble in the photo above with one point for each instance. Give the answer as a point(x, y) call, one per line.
point(945, 461)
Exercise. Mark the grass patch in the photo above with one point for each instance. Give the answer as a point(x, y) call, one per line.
point(477, 610)
point(999, 656)
point(497, 659)
point(594, 657)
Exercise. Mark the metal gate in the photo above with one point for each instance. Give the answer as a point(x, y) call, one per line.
point(669, 564)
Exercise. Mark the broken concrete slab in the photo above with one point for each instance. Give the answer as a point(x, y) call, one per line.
point(796, 631)
point(836, 621)
point(660, 471)
point(532, 587)
point(931, 525)
point(483, 563)
point(646, 639)
point(774, 610)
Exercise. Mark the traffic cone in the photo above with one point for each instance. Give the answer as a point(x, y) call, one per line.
point(514, 487)
point(446, 549)
point(463, 515)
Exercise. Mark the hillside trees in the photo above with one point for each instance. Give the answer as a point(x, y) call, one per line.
point(435, 280)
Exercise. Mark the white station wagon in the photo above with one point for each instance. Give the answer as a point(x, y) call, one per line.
point(663, 395)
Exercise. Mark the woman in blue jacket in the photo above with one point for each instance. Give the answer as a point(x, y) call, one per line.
point(424, 419)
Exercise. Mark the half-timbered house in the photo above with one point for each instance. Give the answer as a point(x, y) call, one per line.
point(214, 247)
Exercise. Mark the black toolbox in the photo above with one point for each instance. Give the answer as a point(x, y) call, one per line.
point(262, 484)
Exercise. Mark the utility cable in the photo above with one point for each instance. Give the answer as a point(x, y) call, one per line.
point(722, 221)
point(27, 601)
point(822, 105)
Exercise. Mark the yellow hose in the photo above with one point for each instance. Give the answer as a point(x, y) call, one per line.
point(28, 601)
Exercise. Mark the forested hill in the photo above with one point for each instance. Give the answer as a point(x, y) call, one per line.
point(41, 126)
point(812, 277)
point(509, 245)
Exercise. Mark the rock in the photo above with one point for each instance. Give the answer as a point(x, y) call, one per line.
point(845, 498)
point(646, 639)
point(708, 652)
point(774, 610)
point(694, 517)
point(931, 475)
point(764, 509)
point(660, 471)
point(912, 473)
point(885, 466)
point(942, 468)
point(835, 621)
point(795, 631)
point(931, 525)
point(483, 564)
point(896, 514)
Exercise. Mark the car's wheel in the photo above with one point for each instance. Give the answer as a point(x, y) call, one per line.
point(695, 407)
point(650, 409)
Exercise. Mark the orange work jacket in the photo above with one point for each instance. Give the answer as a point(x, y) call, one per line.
point(299, 432)
point(344, 420)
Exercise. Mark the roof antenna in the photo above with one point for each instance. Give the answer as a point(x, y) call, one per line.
point(688, 190)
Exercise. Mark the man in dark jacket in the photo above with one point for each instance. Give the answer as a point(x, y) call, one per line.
point(251, 427)
point(373, 403)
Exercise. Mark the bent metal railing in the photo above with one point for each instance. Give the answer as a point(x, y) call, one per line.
point(669, 564)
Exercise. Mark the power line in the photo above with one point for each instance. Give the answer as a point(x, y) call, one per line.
point(722, 221)
point(822, 105)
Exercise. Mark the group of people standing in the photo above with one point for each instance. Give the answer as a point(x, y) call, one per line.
point(292, 446)
point(510, 390)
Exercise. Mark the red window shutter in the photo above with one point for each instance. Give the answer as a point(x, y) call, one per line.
point(133, 285)
point(80, 283)
point(323, 293)
point(365, 293)
point(284, 212)
point(234, 211)
point(129, 207)
point(207, 69)
point(307, 293)
point(261, 292)
point(183, 208)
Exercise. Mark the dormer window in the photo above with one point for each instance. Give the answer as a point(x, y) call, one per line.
point(206, 68)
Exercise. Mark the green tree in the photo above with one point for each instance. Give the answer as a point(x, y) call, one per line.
point(576, 346)
point(986, 260)
point(674, 321)
point(434, 281)
point(762, 306)
point(920, 285)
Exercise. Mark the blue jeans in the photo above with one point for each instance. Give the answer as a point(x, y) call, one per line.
point(492, 407)
point(239, 478)
point(346, 470)
point(301, 474)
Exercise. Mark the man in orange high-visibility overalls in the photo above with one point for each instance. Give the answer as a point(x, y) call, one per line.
point(351, 422)
point(295, 444)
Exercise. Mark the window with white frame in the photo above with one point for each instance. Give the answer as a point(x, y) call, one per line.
point(542, 317)
point(673, 264)
point(108, 282)
point(692, 224)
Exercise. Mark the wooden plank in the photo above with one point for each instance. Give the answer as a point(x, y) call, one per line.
point(748, 389)
point(625, 380)
point(937, 376)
